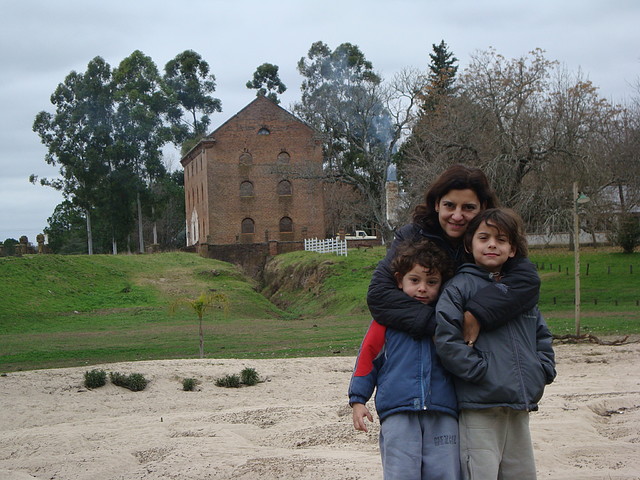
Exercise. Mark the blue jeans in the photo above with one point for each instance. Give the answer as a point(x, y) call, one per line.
point(420, 445)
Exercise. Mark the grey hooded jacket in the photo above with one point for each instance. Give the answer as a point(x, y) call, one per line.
point(508, 366)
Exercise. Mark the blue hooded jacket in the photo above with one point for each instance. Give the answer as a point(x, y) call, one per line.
point(406, 373)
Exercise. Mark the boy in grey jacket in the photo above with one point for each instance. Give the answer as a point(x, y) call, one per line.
point(500, 378)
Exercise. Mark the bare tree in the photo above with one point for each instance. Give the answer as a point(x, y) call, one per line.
point(531, 126)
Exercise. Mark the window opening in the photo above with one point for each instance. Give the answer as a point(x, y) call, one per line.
point(248, 226)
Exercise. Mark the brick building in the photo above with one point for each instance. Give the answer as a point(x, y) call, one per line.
point(257, 178)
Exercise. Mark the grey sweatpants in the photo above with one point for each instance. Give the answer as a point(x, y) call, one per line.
point(495, 443)
point(420, 446)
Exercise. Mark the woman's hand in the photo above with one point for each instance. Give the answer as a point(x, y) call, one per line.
point(470, 328)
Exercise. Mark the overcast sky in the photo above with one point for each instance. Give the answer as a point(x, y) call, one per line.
point(42, 41)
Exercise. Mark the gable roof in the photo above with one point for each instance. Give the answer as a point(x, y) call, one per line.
point(256, 101)
point(210, 139)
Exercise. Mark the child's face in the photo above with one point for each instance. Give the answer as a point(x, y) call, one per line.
point(491, 248)
point(421, 283)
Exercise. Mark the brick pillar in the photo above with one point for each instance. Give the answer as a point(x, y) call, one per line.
point(273, 248)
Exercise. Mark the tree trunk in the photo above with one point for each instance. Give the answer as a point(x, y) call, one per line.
point(155, 226)
point(89, 234)
point(140, 233)
point(201, 340)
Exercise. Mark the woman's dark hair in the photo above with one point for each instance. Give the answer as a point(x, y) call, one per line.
point(506, 221)
point(424, 253)
point(457, 177)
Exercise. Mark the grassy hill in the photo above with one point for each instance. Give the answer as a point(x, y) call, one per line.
point(83, 310)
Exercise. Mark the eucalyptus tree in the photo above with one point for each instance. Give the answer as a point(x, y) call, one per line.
point(267, 82)
point(140, 127)
point(78, 137)
point(188, 78)
point(361, 118)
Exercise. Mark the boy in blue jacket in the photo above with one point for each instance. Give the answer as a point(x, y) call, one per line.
point(415, 397)
point(501, 376)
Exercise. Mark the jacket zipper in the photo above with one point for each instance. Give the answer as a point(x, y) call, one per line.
point(423, 385)
point(516, 351)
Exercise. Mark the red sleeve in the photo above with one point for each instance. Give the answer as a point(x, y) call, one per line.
point(370, 349)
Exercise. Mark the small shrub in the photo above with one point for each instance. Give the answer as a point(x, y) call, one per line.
point(628, 233)
point(95, 378)
point(229, 381)
point(137, 382)
point(117, 378)
point(189, 384)
point(249, 376)
point(134, 382)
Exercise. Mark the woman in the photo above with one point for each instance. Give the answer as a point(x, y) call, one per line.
point(457, 195)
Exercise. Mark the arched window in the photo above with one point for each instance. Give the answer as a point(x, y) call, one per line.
point(283, 158)
point(193, 235)
point(246, 189)
point(286, 225)
point(264, 131)
point(284, 187)
point(248, 226)
point(246, 158)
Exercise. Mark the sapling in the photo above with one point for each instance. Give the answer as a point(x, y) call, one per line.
point(200, 306)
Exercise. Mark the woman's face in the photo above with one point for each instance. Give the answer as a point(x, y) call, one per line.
point(455, 210)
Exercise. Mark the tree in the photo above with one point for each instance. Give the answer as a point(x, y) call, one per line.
point(628, 233)
point(435, 97)
point(442, 76)
point(79, 137)
point(531, 127)
point(200, 305)
point(361, 118)
point(10, 246)
point(65, 229)
point(443, 69)
point(140, 130)
point(267, 82)
point(167, 219)
point(188, 78)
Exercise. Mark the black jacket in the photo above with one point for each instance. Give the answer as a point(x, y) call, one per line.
point(507, 367)
point(393, 308)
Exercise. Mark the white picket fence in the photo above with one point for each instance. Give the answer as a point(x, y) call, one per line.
point(328, 245)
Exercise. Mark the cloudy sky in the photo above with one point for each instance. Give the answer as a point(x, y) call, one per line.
point(41, 41)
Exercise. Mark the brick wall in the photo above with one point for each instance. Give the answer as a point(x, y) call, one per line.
point(263, 167)
point(251, 258)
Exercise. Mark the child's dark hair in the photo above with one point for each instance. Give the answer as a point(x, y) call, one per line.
point(507, 222)
point(424, 253)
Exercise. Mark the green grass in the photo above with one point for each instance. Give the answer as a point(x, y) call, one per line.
point(610, 291)
point(85, 310)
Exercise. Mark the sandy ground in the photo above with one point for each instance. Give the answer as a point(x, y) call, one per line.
point(294, 425)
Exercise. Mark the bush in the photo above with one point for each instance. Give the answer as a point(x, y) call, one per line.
point(628, 234)
point(189, 384)
point(134, 382)
point(229, 381)
point(95, 378)
point(249, 376)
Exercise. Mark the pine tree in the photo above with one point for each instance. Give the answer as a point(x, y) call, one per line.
point(443, 69)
